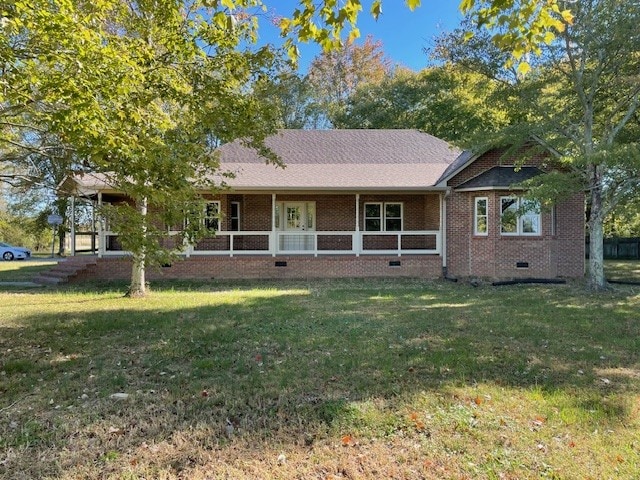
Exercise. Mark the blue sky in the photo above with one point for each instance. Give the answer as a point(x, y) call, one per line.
point(403, 33)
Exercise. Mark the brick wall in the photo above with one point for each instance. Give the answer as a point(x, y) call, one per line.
point(210, 267)
point(557, 252)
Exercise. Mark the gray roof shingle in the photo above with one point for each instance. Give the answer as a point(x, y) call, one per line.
point(341, 159)
point(500, 177)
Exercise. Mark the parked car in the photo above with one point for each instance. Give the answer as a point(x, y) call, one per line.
point(9, 252)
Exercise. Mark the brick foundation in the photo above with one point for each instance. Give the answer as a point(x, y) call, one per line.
point(256, 267)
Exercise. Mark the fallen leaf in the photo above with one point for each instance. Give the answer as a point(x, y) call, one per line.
point(116, 431)
point(413, 416)
point(572, 444)
point(348, 441)
point(204, 393)
point(478, 400)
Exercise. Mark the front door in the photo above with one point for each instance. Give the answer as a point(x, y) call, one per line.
point(298, 219)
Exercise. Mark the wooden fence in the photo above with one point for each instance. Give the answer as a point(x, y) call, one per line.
point(622, 248)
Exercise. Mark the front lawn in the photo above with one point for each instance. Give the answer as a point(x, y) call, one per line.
point(24, 270)
point(323, 380)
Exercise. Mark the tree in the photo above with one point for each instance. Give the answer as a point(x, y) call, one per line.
point(520, 26)
point(580, 105)
point(143, 91)
point(448, 102)
point(334, 75)
point(291, 96)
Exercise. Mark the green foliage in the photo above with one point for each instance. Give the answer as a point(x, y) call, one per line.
point(579, 105)
point(144, 91)
point(447, 102)
point(520, 25)
point(335, 75)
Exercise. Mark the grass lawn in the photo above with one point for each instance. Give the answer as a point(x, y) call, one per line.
point(323, 380)
point(622, 270)
point(23, 270)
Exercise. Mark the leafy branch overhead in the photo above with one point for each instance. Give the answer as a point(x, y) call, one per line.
point(520, 26)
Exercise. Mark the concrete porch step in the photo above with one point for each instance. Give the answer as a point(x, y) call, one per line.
point(64, 270)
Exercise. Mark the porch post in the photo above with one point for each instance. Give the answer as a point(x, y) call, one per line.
point(273, 239)
point(356, 239)
point(73, 225)
point(443, 229)
point(101, 236)
point(93, 227)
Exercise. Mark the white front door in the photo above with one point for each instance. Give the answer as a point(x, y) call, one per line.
point(298, 221)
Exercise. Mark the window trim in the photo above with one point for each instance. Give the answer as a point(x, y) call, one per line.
point(520, 218)
point(476, 216)
point(383, 216)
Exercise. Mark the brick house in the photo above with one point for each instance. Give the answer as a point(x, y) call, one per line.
point(366, 203)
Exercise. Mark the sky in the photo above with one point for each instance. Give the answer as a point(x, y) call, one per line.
point(404, 34)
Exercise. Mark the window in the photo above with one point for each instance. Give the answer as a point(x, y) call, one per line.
point(519, 216)
point(235, 217)
point(481, 216)
point(383, 217)
point(211, 219)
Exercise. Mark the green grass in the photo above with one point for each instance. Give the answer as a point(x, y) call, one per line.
point(341, 379)
point(23, 270)
point(622, 270)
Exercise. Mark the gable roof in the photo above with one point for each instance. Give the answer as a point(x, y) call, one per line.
point(460, 163)
point(341, 160)
point(500, 177)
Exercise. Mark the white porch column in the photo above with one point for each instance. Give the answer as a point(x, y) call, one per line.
point(274, 237)
point(73, 225)
point(101, 236)
point(356, 238)
point(443, 229)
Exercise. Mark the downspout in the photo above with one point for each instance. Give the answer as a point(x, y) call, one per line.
point(443, 233)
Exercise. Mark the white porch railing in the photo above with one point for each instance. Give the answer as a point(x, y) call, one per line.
point(417, 242)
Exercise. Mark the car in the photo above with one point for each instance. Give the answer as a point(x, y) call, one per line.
point(9, 252)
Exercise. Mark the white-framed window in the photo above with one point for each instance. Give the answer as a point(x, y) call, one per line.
point(481, 216)
point(211, 217)
point(234, 218)
point(519, 216)
point(379, 217)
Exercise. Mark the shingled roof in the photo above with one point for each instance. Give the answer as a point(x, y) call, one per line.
point(500, 177)
point(341, 160)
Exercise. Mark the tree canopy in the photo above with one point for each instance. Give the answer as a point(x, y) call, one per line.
point(579, 104)
point(145, 90)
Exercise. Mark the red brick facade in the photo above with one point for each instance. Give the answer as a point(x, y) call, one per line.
point(286, 267)
point(557, 252)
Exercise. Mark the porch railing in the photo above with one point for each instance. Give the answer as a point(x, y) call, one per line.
point(416, 242)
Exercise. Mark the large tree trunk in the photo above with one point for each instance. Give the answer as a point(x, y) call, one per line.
point(138, 287)
point(597, 280)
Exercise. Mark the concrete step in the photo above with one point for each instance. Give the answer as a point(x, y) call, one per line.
point(42, 280)
point(64, 270)
point(53, 273)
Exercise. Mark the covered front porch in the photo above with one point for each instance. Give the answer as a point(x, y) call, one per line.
point(313, 224)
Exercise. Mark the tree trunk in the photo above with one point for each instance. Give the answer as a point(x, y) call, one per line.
point(138, 287)
point(62, 237)
point(61, 206)
point(597, 280)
